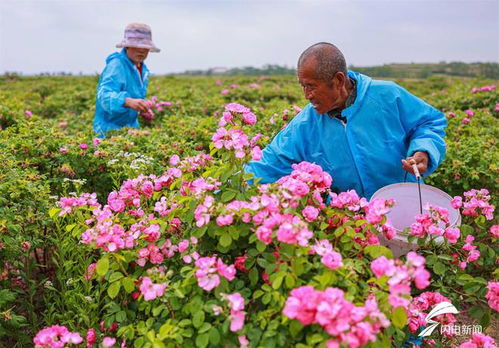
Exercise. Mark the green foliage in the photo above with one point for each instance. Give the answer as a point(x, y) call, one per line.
point(45, 285)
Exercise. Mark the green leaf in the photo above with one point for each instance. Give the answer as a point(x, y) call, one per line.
point(139, 342)
point(179, 293)
point(290, 281)
point(431, 259)
point(70, 227)
point(314, 339)
point(481, 280)
point(184, 322)
point(439, 268)
point(476, 312)
point(485, 321)
point(248, 176)
point(158, 309)
point(202, 340)
point(376, 251)
point(102, 266)
point(225, 175)
point(261, 246)
point(359, 223)
point(165, 330)
point(128, 284)
point(399, 317)
point(297, 267)
point(253, 276)
point(339, 231)
point(214, 336)
point(205, 327)
point(262, 262)
point(225, 240)
point(462, 279)
point(115, 276)
point(114, 289)
point(199, 232)
point(383, 342)
point(350, 232)
point(258, 293)
point(266, 298)
point(6, 296)
point(53, 212)
point(277, 282)
point(466, 230)
point(121, 316)
point(198, 319)
point(472, 288)
point(295, 327)
point(445, 257)
point(228, 196)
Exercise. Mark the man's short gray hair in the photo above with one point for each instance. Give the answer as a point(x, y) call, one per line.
point(329, 60)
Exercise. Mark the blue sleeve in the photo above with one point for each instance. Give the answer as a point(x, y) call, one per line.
point(279, 155)
point(110, 93)
point(425, 127)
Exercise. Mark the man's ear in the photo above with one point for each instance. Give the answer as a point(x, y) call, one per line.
point(339, 79)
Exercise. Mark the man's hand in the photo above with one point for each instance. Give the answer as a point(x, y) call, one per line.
point(137, 105)
point(421, 160)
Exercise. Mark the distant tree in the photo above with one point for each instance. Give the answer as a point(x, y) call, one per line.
point(411, 70)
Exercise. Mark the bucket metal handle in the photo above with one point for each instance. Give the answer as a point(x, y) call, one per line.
point(412, 162)
point(418, 177)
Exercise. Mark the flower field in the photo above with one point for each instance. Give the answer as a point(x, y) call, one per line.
point(156, 237)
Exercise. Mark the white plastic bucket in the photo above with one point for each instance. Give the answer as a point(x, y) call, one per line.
point(406, 207)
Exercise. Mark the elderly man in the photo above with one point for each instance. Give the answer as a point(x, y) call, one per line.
point(123, 82)
point(363, 132)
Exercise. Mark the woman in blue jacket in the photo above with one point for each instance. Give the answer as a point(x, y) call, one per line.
point(363, 132)
point(123, 83)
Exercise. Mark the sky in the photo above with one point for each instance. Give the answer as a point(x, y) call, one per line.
point(77, 35)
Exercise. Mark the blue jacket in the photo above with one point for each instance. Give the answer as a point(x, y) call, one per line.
point(120, 79)
point(384, 125)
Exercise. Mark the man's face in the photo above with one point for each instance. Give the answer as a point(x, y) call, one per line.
point(323, 95)
point(137, 55)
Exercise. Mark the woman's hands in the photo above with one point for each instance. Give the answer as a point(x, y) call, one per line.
point(138, 105)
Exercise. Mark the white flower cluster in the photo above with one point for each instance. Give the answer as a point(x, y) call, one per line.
point(136, 160)
point(75, 181)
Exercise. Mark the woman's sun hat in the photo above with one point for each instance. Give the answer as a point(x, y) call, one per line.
point(138, 35)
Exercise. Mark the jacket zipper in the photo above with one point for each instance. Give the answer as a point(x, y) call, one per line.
point(351, 154)
point(140, 77)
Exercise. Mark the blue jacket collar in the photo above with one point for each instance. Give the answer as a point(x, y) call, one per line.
point(362, 85)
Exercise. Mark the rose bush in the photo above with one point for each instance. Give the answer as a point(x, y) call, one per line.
point(168, 246)
point(176, 248)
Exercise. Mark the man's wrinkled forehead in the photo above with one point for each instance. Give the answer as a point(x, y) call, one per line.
point(307, 70)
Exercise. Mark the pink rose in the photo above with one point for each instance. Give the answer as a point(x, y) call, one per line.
point(183, 245)
point(382, 266)
point(108, 342)
point(310, 213)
